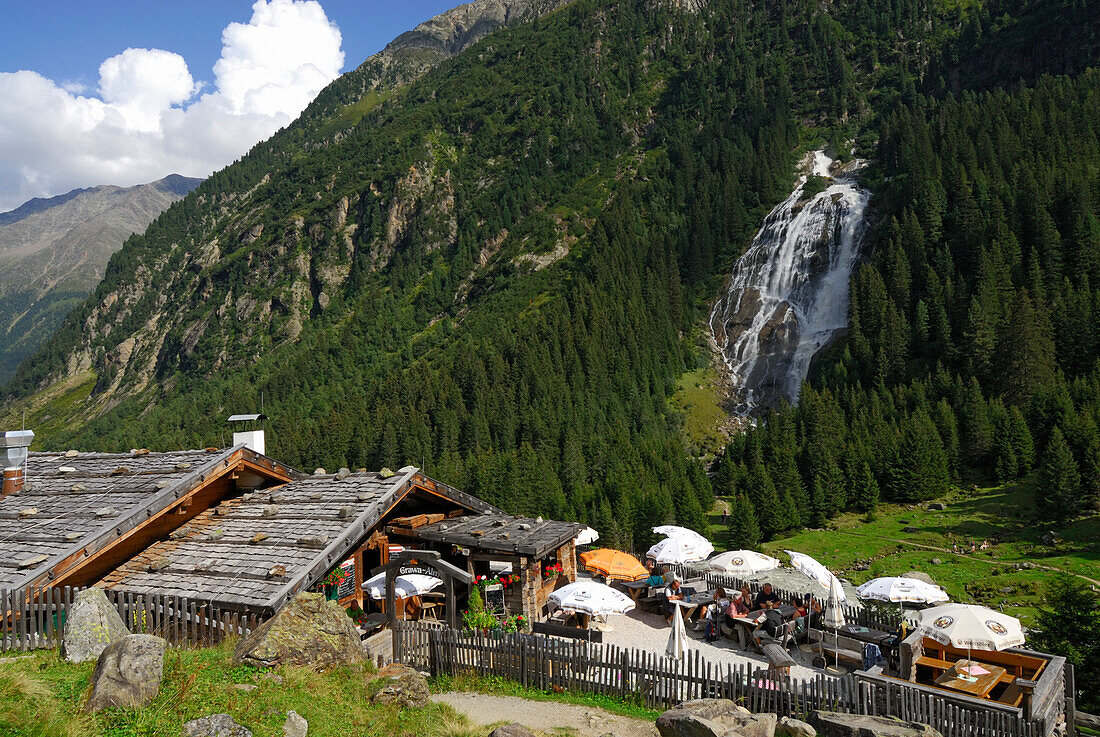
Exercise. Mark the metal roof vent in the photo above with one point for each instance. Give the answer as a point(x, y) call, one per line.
point(14, 444)
point(251, 432)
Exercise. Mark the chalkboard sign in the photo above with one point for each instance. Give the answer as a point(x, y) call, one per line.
point(347, 586)
point(494, 600)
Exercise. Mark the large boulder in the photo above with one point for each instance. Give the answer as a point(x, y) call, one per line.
point(402, 686)
point(215, 725)
point(295, 725)
point(788, 727)
point(514, 729)
point(835, 724)
point(128, 673)
point(714, 718)
point(91, 624)
point(308, 631)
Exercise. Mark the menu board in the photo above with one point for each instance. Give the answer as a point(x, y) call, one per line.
point(347, 586)
point(494, 600)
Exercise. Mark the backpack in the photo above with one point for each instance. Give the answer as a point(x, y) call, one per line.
point(773, 622)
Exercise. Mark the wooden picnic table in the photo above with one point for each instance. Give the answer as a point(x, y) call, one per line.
point(636, 589)
point(958, 678)
point(746, 624)
point(692, 602)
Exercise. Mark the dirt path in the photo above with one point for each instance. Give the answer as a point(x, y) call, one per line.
point(946, 551)
point(549, 717)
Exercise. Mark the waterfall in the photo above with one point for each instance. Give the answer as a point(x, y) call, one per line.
point(788, 294)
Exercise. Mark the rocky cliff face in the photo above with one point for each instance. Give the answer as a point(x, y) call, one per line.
point(54, 251)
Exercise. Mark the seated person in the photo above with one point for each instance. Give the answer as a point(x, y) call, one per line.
point(767, 597)
point(712, 614)
point(739, 605)
point(800, 609)
point(673, 593)
point(771, 627)
point(656, 578)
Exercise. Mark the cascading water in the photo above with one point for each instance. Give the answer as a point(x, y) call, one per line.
point(788, 295)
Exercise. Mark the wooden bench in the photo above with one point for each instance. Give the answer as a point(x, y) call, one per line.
point(779, 660)
point(936, 664)
point(838, 647)
point(561, 630)
point(1013, 695)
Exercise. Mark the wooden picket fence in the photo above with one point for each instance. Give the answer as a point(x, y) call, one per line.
point(657, 682)
point(34, 618)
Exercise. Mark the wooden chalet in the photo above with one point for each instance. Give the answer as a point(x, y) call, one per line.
point(243, 532)
point(76, 516)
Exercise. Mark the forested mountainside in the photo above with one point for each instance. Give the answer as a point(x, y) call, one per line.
point(53, 252)
point(498, 271)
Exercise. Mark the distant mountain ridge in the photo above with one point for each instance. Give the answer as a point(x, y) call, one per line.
point(54, 250)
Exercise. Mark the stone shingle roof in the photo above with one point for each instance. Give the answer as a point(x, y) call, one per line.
point(74, 502)
point(257, 549)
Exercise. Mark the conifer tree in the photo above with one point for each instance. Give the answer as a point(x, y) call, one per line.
point(1059, 480)
point(744, 531)
point(865, 491)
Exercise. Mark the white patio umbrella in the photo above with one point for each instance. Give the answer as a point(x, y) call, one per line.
point(589, 597)
point(834, 617)
point(815, 571)
point(677, 531)
point(899, 589)
point(587, 536)
point(971, 626)
point(675, 647)
point(414, 584)
point(680, 550)
point(742, 563)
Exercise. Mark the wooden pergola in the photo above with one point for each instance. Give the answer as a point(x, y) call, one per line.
point(423, 562)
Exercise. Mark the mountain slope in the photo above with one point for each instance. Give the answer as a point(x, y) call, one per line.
point(494, 270)
point(54, 251)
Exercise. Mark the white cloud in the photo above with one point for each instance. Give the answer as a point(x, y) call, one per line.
point(149, 120)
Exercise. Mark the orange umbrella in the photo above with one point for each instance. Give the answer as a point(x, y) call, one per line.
point(614, 565)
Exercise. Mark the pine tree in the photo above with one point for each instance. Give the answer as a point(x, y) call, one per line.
point(744, 531)
point(1059, 480)
point(865, 491)
point(1069, 625)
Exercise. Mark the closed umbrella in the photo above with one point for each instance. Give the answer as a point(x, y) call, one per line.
point(815, 571)
point(413, 584)
point(614, 565)
point(900, 589)
point(680, 550)
point(834, 617)
point(676, 531)
point(971, 626)
point(586, 537)
point(589, 597)
point(675, 647)
point(742, 563)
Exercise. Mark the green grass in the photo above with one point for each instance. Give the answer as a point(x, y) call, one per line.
point(41, 695)
point(502, 687)
point(1002, 514)
point(698, 400)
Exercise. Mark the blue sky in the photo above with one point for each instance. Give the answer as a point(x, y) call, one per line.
point(66, 40)
point(126, 91)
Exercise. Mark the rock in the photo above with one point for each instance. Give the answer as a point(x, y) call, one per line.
point(920, 576)
point(276, 571)
point(937, 506)
point(215, 725)
point(72, 453)
point(515, 729)
point(936, 561)
point(183, 466)
point(259, 537)
point(308, 631)
point(270, 510)
point(714, 718)
point(28, 512)
point(245, 687)
point(319, 472)
point(343, 473)
point(106, 512)
point(403, 686)
point(33, 561)
point(295, 725)
point(127, 673)
point(835, 724)
point(788, 727)
point(273, 677)
point(910, 529)
point(92, 624)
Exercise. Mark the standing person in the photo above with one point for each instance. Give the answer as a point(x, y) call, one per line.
point(713, 614)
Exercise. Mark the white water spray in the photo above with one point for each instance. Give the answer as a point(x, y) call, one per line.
point(788, 295)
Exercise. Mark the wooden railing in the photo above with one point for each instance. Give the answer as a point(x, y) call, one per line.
point(658, 682)
point(34, 618)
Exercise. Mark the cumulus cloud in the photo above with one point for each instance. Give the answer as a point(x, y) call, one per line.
point(149, 117)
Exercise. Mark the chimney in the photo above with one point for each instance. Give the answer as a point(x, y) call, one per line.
point(13, 445)
point(251, 431)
